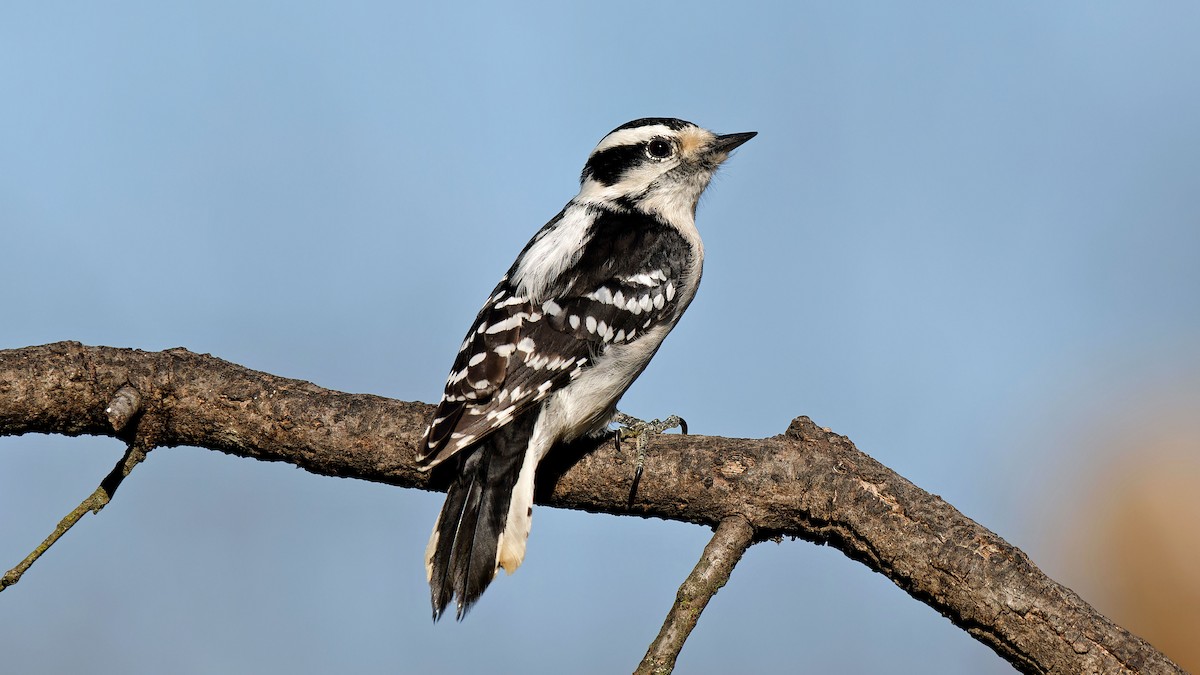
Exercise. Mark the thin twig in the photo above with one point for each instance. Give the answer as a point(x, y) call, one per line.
point(733, 536)
point(94, 502)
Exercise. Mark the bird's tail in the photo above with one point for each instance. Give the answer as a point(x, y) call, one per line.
point(475, 533)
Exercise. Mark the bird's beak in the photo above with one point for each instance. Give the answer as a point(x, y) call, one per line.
point(728, 142)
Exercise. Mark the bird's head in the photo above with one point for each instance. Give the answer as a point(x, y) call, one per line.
point(655, 165)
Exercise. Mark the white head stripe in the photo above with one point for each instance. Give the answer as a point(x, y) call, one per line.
point(632, 136)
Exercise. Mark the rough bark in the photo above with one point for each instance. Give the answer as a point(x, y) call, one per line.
point(807, 482)
point(733, 536)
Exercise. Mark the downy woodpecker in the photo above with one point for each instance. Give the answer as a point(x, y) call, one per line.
point(569, 327)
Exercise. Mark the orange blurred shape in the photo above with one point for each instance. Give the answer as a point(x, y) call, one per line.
point(1144, 540)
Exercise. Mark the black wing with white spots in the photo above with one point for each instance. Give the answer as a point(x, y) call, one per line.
point(627, 279)
point(520, 350)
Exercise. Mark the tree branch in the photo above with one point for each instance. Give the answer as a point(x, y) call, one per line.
point(94, 502)
point(807, 482)
point(733, 536)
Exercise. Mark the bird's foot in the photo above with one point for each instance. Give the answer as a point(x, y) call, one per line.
point(632, 427)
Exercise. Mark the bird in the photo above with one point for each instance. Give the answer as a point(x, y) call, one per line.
point(563, 335)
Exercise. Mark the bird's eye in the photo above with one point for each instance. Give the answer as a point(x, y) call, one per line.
point(659, 148)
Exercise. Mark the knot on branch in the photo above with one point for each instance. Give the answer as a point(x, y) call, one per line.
point(124, 405)
point(804, 429)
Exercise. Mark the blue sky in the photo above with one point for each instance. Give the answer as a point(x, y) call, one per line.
point(967, 237)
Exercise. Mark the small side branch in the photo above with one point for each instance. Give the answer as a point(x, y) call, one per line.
point(95, 501)
point(733, 536)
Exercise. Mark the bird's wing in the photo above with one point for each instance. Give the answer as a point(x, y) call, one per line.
point(519, 351)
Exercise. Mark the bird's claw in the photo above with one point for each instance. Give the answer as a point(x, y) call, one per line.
point(642, 431)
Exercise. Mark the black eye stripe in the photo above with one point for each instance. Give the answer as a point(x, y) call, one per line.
point(607, 166)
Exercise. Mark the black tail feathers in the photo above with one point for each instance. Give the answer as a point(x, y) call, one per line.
point(462, 560)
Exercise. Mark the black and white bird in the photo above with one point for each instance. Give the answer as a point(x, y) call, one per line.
point(569, 327)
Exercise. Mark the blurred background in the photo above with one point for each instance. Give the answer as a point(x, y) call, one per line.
point(967, 237)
